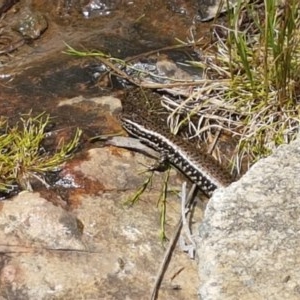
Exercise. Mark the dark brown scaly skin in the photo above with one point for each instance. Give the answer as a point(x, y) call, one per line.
point(201, 168)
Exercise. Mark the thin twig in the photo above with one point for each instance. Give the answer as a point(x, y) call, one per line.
point(168, 253)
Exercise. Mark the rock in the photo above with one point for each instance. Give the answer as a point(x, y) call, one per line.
point(249, 244)
point(99, 248)
point(208, 9)
point(100, 8)
point(31, 24)
point(29, 220)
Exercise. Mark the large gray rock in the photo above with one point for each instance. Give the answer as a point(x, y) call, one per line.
point(250, 239)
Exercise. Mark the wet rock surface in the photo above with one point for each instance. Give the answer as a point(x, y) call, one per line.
point(130, 28)
point(249, 240)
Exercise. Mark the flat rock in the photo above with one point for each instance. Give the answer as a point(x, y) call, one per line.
point(99, 248)
point(249, 245)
